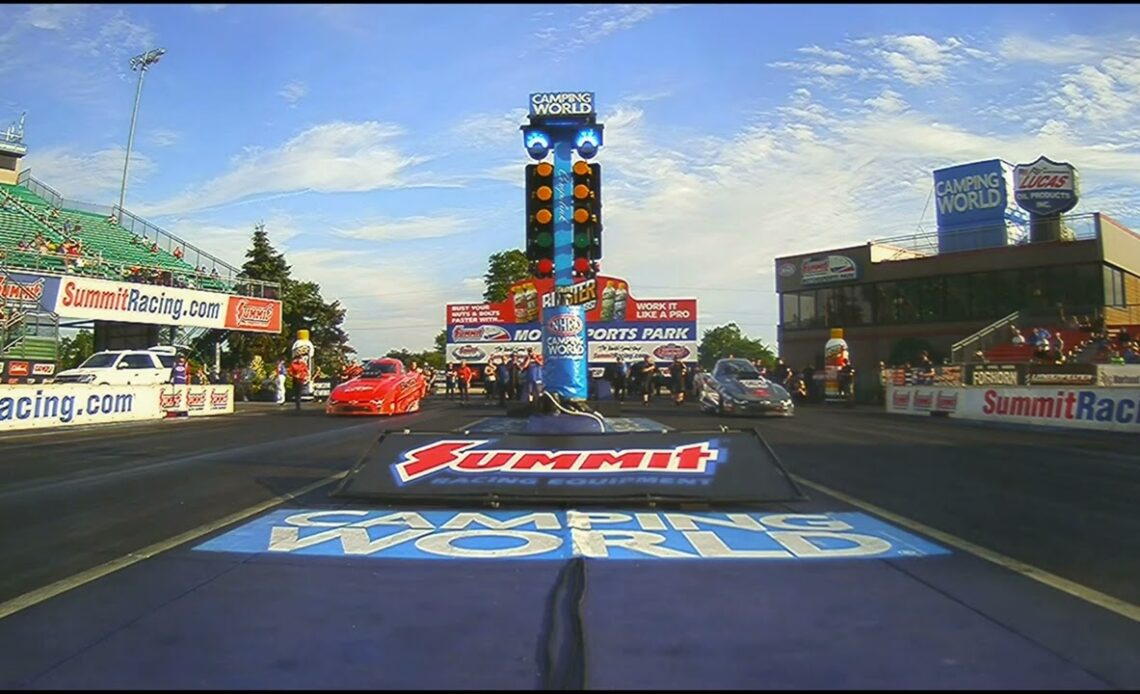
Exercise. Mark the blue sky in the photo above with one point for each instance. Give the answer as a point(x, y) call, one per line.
point(380, 144)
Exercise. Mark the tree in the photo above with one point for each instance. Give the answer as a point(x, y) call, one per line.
point(303, 307)
point(441, 342)
point(504, 269)
point(265, 263)
point(721, 341)
point(73, 350)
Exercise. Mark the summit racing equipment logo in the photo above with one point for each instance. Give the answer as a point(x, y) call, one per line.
point(479, 333)
point(11, 290)
point(458, 456)
point(254, 314)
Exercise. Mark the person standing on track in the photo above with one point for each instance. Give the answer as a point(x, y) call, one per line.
point(645, 377)
point(677, 372)
point(464, 377)
point(299, 370)
point(490, 376)
point(279, 381)
point(619, 378)
point(449, 382)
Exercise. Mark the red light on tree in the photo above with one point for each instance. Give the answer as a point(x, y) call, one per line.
point(545, 266)
point(581, 265)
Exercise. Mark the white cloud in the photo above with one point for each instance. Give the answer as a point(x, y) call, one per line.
point(53, 17)
point(229, 242)
point(824, 53)
point(1106, 94)
point(486, 130)
point(596, 24)
point(1058, 51)
point(293, 92)
point(391, 301)
point(208, 7)
point(407, 228)
point(330, 158)
point(888, 101)
point(823, 69)
point(88, 176)
point(161, 137)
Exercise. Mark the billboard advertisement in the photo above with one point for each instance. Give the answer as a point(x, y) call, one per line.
point(975, 206)
point(616, 323)
point(28, 291)
point(127, 302)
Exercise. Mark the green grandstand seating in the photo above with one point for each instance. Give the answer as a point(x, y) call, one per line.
point(100, 237)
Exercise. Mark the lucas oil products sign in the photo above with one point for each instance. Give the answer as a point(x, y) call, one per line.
point(617, 324)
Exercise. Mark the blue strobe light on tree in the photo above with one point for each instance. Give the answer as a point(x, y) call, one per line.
point(588, 141)
point(537, 143)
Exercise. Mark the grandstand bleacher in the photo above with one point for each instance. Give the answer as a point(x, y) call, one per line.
point(109, 250)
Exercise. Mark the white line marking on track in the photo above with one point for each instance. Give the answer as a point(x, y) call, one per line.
point(23, 602)
point(1090, 595)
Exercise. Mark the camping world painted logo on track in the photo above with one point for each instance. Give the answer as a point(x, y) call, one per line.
point(464, 457)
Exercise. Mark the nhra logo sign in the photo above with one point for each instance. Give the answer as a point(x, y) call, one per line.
point(459, 457)
point(479, 333)
point(1046, 187)
point(831, 268)
point(565, 325)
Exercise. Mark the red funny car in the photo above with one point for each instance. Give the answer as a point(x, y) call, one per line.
point(383, 387)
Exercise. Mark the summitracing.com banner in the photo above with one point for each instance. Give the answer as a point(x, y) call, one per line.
point(1103, 409)
point(126, 302)
point(617, 324)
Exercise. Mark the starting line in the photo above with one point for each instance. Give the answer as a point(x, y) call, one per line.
point(562, 535)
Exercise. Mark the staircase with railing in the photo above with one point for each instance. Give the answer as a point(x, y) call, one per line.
point(27, 330)
point(963, 351)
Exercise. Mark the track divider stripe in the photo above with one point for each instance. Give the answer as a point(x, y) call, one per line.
point(29, 599)
point(1090, 595)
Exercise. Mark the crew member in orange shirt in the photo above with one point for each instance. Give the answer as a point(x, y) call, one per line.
point(464, 376)
point(299, 371)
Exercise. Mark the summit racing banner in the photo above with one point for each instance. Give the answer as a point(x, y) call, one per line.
point(1104, 409)
point(732, 467)
point(617, 324)
point(84, 297)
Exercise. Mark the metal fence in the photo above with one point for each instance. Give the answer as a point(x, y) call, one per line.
point(1077, 227)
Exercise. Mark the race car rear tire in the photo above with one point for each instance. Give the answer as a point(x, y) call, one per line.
point(415, 406)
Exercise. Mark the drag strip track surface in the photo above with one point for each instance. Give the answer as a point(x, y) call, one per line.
point(73, 500)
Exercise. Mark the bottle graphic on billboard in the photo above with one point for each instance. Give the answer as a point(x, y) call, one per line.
point(608, 302)
point(621, 296)
point(518, 299)
point(531, 303)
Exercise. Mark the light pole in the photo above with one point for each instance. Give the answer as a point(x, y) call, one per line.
point(141, 63)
